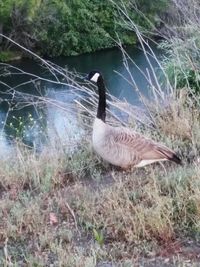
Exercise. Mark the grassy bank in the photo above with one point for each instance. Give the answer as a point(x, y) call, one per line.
point(62, 208)
point(72, 209)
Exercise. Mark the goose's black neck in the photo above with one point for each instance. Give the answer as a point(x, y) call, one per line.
point(101, 111)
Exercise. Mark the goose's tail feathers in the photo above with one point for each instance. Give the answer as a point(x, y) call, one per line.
point(170, 155)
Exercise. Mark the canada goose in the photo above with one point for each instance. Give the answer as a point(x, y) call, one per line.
point(122, 146)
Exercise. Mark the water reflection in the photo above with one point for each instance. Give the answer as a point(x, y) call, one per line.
point(5, 148)
point(42, 122)
point(62, 122)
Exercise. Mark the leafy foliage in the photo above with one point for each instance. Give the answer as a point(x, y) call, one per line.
point(71, 27)
point(83, 27)
point(16, 20)
point(182, 61)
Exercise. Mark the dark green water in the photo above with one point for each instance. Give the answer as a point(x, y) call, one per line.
point(34, 125)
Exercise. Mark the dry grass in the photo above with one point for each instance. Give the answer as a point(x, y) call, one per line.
point(178, 127)
point(73, 210)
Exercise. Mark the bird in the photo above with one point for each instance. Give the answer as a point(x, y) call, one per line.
point(122, 146)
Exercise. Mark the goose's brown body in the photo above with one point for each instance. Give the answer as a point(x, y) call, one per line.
point(122, 146)
point(126, 148)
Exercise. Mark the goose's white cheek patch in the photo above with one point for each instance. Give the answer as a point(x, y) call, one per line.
point(95, 77)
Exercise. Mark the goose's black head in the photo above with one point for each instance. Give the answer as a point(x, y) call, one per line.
point(94, 76)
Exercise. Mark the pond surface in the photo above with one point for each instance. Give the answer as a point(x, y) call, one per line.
point(35, 124)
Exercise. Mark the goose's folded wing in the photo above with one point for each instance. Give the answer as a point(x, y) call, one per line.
point(138, 144)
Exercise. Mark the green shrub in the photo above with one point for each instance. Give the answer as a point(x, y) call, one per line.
point(182, 63)
point(72, 27)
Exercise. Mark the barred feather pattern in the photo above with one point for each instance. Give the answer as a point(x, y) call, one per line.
point(124, 147)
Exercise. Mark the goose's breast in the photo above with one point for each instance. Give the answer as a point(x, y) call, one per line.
point(99, 134)
point(104, 144)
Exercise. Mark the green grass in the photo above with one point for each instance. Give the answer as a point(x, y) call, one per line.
point(6, 56)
